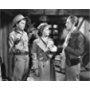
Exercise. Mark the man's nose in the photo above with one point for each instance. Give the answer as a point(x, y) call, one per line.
point(66, 24)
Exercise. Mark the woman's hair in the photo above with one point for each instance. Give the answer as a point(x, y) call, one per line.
point(41, 27)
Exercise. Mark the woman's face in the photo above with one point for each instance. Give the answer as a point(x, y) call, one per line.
point(46, 31)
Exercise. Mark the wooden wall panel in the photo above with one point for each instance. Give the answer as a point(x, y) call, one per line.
point(1, 42)
point(4, 48)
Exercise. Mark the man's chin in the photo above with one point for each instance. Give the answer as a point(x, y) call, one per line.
point(22, 29)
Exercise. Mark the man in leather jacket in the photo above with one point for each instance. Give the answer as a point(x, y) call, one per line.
point(74, 50)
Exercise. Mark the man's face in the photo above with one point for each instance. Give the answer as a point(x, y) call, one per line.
point(69, 24)
point(21, 24)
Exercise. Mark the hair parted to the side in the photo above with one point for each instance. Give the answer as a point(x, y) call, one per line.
point(41, 27)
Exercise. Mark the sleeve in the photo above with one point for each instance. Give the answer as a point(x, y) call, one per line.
point(34, 55)
point(11, 41)
point(77, 51)
point(34, 47)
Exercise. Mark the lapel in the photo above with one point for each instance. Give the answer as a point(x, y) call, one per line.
point(40, 43)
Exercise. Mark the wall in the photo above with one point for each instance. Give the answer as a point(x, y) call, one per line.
point(4, 47)
point(1, 42)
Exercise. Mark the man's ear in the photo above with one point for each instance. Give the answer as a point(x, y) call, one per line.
point(16, 25)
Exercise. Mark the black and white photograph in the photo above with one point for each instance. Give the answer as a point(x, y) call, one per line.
point(44, 44)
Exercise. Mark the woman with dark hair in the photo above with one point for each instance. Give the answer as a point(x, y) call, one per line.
point(41, 52)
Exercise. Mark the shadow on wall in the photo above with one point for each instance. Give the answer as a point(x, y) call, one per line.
point(2, 65)
point(3, 51)
point(85, 29)
point(1, 42)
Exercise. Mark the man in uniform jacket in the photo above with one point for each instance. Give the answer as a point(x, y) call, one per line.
point(18, 41)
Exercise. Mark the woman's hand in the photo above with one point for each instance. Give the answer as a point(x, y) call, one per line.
point(57, 57)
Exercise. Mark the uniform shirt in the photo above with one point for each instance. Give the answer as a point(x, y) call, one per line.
point(22, 36)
